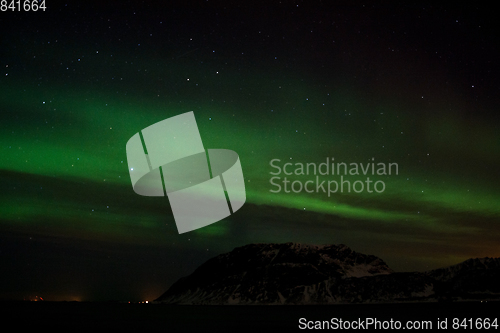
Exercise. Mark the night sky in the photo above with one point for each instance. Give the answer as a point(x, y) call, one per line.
point(298, 81)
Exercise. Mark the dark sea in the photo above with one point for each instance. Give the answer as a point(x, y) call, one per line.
point(71, 316)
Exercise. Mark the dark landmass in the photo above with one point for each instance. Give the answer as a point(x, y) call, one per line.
point(290, 273)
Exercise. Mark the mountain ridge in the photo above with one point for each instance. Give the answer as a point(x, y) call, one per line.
point(297, 273)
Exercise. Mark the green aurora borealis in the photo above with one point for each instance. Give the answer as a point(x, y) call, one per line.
point(361, 85)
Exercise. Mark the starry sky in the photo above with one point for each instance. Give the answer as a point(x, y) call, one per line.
point(295, 81)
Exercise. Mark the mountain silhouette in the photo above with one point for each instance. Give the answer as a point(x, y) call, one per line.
point(293, 273)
